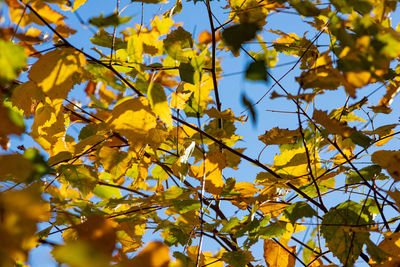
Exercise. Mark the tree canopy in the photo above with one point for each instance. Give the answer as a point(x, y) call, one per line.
point(124, 153)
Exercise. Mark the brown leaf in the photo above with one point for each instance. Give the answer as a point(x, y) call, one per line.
point(155, 254)
point(277, 136)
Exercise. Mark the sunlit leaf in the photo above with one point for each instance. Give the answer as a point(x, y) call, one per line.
point(78, 4)
point(159, 103)
point(12, 60)
point(133, 118)
point(212, 166)
point(276, 256)
point(177, 40)
point(58, 71)
point(155, 254)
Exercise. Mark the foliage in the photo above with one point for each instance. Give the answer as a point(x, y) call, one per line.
point(150, 152)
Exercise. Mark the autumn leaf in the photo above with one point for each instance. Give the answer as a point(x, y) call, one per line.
point(155, 254)
point(278, 136)
point(25, 96)
point(21, 211)
point(275, 255)
point(13, 59)
point(332, 125)
point(159, 103)
point(133, 118)
point(211, 170)
point(388, 160)
point(63, 69)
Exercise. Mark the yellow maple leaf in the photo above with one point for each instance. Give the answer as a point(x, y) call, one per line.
point(115, 162)
point(159, 103)
point(49, 126)
point(293, 164)
point(180, 97)
point(78, 4)
point(133, 118)
point(248, 11)
point(45, 11)
point(57, 71)
point(213, 166)
point(246, 194)
point(277, 256)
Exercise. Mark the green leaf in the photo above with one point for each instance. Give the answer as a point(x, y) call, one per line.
point(106, 192)
point(247, 103)
point(183, 206)
point(376, 253)
point(12, 60)
point(360, 139)
point(175, 235)
point(307, 253)
point(237, 258)
point(78, 253)
point(249, 227)
point(346, 243)
point(111, 20)
point(369, 173)
point(176, 41)
point(186, 261)
point(299, 210)
point(44, 233)
point(173, 193)
point(276, 229)
point(88, 130)
point(257, 71)
point(188, 73)
point(236, 35)
point(233, 222)
point(105, 39)
point(305, 8)
point(79, 176)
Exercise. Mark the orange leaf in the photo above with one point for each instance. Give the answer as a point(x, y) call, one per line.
point(155, 254)
point(98, 232)
point(205, 37)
